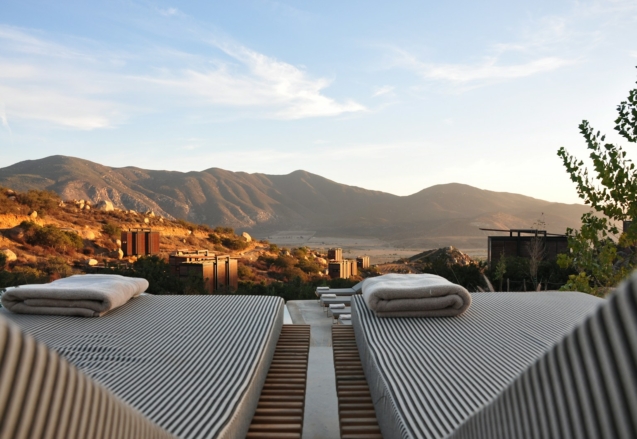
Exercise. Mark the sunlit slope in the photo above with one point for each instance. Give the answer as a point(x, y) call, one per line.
point(448, 214)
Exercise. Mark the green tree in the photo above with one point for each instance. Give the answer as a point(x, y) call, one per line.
point(611, 190)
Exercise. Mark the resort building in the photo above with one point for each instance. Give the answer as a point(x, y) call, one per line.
point(140, 242)
point(522, 243)
point(362, 262)
point(219, 272)
point(335, 254)
point(343, 269)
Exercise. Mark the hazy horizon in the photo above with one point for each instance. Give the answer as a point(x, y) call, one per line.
point(391, 97)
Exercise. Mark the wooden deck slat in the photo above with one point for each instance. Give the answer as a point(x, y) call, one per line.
point(281, 407)
point(355, 408)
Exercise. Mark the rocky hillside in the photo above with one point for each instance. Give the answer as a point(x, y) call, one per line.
point(438, 216)
point(43, 237)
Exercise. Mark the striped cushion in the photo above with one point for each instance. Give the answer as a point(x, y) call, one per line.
point(43, 396)
point(194, 365)
point(428, 375)
point(584, 387)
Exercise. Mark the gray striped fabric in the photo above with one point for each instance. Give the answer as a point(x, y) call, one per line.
point(43, 396)
point(584, 387)
point(194, 365)
point(429, 375)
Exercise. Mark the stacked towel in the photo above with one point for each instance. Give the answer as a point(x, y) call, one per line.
point(328, 296)
point(322, 288)
point(88, 295)
point(415, 295)
point(337, 306)
point(345, 317)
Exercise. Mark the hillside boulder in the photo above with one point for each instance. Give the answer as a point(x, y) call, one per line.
point(150, 214)
point(91, 262)
point(9, 255)
point(88, 234)
point(33, 215)
point(117, 254)
point(146, 221)
point(105, 206)
point(247, 237)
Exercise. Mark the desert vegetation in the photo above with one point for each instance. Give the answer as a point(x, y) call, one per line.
point(602, 251)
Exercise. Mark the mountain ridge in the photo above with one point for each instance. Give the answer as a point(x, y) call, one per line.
point(444, 214)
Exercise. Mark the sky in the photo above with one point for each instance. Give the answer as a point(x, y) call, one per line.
point(392, 96)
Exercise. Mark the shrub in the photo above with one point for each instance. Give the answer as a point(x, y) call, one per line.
point(308, 266)
point(234, 243)
point(40, 201)
point(56, 266)
point(3, 261)
point(224, 230)
point(214, 238)
point(294, 273)
point(284, 262)
point(51, 236)
point(245, 272)
point(273, 248)
point(205, 228)
point(22, 275)
point(186, 224)
point(112, 230)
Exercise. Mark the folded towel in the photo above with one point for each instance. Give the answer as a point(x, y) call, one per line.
point(87, 295)
point(345, 317)
point(415, 295)
point(337, 306)
point(328, 296)
point(322, 288)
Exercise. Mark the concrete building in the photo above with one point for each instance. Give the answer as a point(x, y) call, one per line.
point(181, 256)
point(219, 272)
point(362, 262)
point(335, 254)
point(353, 267)
point(342, 269)
point(516, 244)
point(140, 242)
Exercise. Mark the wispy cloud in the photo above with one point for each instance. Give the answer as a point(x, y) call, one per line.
point(543, 46)
point(384, 90)
point(86, 86)
point(169, 12)
point(3, 118)
point(489, 69)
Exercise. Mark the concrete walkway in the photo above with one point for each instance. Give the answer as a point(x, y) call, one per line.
point(321, 403)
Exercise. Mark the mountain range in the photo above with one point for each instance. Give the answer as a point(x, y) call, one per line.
point(446, 214)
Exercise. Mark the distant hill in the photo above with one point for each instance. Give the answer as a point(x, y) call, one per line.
point(441, 215)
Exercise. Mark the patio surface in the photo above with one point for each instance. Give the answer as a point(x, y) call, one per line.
point(321, 403)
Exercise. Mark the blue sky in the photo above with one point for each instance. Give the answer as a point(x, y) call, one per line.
point(392, 96)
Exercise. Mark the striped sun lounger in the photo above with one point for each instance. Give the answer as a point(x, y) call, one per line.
point(428, 376)
point(187, 366)
point(346, 300)
point(356, 289)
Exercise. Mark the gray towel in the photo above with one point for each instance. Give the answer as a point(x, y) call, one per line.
point(415, 295)
point(88, 295)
